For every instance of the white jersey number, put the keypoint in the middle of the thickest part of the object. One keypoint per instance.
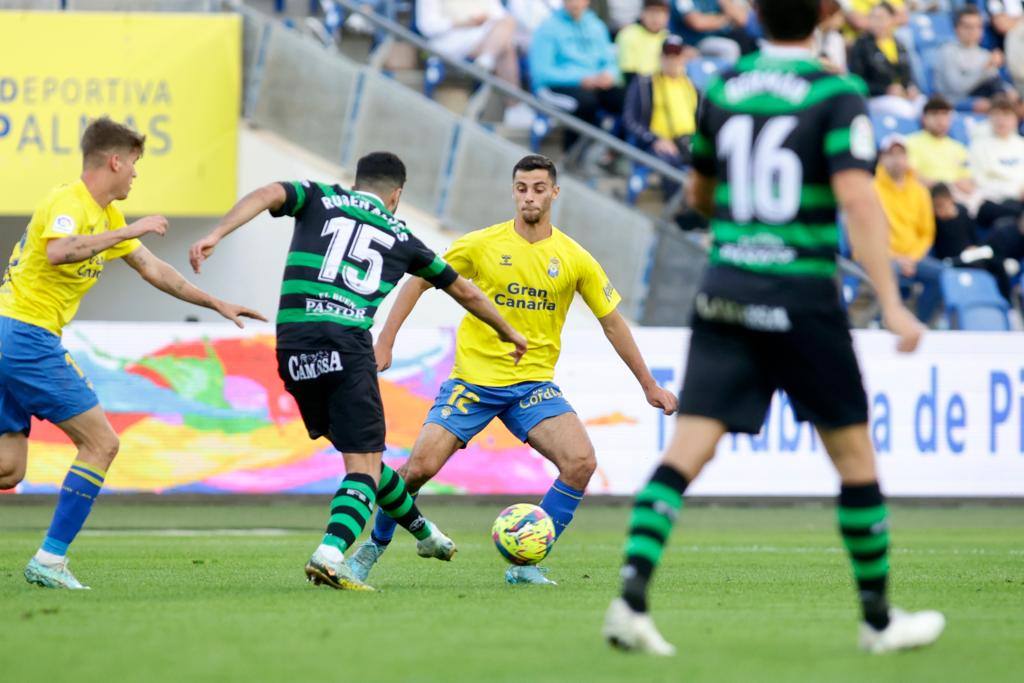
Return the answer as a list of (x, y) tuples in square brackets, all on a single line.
[(357, 251), (764, 177)]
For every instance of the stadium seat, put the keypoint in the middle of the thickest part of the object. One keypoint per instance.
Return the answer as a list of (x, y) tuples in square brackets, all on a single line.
[(931, 30), (973, 301), (886, 124), (702, 69)]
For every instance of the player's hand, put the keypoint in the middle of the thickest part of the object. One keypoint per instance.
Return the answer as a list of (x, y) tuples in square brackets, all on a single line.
[(905, 325), (235, 313), (383, 353), (662, 399), (202, 250), (666, 147), (143, 226), (520, 343)]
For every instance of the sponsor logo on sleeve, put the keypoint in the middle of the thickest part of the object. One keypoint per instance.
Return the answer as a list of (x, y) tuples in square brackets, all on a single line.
[(63, 224)]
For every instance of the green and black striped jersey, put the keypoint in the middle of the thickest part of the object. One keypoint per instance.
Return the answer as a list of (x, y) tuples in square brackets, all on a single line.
[(772, 132), (347, 253)]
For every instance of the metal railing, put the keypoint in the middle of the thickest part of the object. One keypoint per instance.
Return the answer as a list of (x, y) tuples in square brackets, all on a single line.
[(397, 31)]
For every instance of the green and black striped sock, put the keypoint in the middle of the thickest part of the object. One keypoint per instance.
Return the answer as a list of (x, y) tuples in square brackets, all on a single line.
[(350, 510), (864, 524), (654, 513), (394, 499)]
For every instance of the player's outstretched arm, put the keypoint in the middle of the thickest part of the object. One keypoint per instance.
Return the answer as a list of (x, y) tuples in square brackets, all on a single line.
[(164, 277), (78, 248), (270, 196), (621, 338), (869, 237), (408, 295), (476, 302)]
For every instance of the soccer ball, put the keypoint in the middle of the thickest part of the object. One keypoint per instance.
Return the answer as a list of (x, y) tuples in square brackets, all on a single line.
[(523, 533)]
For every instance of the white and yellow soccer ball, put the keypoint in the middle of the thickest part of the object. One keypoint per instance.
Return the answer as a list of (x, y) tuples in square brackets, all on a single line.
[(523, 533)]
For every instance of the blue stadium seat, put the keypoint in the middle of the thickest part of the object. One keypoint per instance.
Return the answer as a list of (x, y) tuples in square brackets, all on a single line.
[(973, 301), (886, 124), (702, 69), (931, 30)]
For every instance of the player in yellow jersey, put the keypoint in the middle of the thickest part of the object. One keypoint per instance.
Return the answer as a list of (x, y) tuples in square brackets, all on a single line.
[(531, 271), (70, 237)]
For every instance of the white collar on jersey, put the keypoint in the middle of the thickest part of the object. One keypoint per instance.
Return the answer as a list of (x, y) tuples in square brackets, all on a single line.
[(785, 51), (370, 194)]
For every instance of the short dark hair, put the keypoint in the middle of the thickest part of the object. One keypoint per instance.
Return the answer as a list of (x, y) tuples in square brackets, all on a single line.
[(382, 170), (536, 162), (941, 190), (966, 10), (789, 19), (1002, 102), (103, 136), (937, 103), (887, 7)]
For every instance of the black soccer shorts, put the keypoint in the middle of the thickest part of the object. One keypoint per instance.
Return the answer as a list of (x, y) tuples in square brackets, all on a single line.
[(733, 371), (338, 396)]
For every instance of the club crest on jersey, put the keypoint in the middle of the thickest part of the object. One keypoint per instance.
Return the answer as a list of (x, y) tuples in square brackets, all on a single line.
[(506, 259), (554, 267), (446, 412)]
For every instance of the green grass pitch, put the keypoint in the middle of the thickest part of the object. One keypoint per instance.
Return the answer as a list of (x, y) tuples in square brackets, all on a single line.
[(747, 594)]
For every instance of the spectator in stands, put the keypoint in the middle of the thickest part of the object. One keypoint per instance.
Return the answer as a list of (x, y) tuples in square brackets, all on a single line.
[(958, 241), (718, 28), (884, 64), (1014, 46), (639, 43), (661, 110), (572, 65), (529, 14), (622, 13), (938, 158), (908, 206), (965, 69), (1005, 16), (829, 44), (997, 161), (858, 15)]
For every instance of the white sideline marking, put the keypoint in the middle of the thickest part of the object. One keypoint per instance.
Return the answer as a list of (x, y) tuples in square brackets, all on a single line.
[(190, 533)]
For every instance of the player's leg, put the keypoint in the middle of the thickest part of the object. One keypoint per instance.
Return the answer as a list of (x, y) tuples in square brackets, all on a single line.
[(564, 441), (13, 459), (460, 412), (433, 447), (864, 525), (821, 346), (97, 445), (726, 388)]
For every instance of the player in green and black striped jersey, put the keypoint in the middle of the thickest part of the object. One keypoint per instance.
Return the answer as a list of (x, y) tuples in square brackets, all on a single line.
[(347, 253), (781, 144)]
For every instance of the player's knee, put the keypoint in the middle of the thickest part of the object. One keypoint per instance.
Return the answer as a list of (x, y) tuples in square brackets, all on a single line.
[(578, 471), (417, 474), (105, 449), (10, 476)]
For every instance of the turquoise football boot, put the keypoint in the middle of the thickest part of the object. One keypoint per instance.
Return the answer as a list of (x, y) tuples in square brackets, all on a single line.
[(530, 573), (58, 576)]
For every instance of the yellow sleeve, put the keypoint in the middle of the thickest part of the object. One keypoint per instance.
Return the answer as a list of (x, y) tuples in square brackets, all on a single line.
[(595, 287), (124, 248), (461, 256), (926, 216), (64, 217)]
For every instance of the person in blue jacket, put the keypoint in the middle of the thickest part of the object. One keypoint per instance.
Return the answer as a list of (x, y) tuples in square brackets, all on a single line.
[(572, 64)]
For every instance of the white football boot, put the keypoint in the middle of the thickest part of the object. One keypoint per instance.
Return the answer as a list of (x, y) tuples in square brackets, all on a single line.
[(633, 631), (906, 630)]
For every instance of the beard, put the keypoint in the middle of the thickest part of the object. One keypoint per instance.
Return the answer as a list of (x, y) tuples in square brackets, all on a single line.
[(532, 216)]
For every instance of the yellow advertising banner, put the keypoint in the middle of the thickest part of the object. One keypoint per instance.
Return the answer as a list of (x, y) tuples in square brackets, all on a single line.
[(174, 77)]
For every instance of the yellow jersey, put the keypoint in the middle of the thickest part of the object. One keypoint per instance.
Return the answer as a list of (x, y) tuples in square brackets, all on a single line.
[(532, 284), (38, 293)]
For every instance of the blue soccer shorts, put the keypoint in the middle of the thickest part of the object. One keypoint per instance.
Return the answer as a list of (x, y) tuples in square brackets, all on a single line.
[(38, 377), (464, 409)]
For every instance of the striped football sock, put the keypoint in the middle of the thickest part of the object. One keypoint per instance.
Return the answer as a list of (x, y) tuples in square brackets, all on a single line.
[(394, 500), (350, 510), (864, 524), (80, 488), (654, 513)]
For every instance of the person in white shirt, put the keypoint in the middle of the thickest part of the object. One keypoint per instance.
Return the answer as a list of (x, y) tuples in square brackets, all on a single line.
[(529, 14), (997, 161), (1005, 15), (478, 30)]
